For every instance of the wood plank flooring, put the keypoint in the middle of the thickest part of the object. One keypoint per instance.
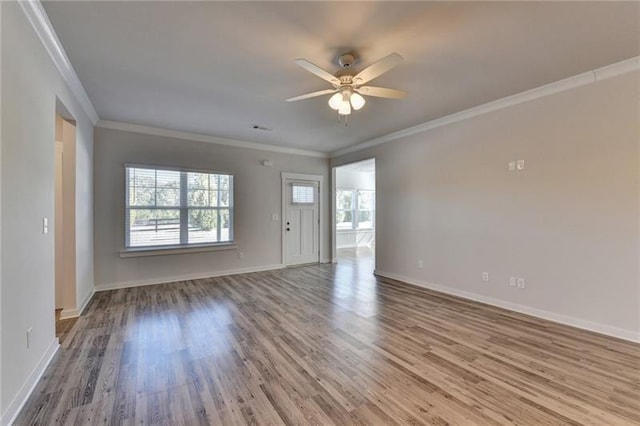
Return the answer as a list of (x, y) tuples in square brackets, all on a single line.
[(63, 326), (327, 344)]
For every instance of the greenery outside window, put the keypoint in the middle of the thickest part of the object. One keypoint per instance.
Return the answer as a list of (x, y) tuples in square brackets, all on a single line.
[(177, 208), (355, 209), (366, 204)]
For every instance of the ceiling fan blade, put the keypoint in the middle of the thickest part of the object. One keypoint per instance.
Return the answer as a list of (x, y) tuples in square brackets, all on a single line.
[(317, 71), (377, 68), (312, 95), (381, 92)]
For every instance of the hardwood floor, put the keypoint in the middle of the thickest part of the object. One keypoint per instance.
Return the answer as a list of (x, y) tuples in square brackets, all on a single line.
[(360, 257), (63, 326), (327, 344)]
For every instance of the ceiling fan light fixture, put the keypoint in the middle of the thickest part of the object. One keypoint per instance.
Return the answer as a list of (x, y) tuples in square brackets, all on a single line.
[(345, 108), (357, 101), (335, 101), (345, 96)]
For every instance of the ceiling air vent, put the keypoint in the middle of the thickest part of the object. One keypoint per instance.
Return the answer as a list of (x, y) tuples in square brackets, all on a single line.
[(259, 127)]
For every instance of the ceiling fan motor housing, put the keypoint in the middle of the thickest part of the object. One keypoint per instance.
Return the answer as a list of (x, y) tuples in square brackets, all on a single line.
[(346, 60), (346, 80)]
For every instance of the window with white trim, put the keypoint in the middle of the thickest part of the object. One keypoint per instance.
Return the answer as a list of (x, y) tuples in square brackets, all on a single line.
[(365, 204), (177, 208), (355, 209), (303, 193)]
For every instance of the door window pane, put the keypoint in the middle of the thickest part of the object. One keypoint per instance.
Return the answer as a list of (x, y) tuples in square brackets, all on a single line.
[(302, 194)]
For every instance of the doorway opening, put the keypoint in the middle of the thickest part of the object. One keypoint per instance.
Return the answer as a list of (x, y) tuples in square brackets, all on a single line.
[(64, 221), (355, 214)]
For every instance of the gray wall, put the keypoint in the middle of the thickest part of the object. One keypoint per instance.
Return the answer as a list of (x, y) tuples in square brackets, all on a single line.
[(351, 179), (568, 223), (257, 197), (30, 86)]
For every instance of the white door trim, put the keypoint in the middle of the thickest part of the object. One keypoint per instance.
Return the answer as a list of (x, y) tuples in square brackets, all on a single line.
[(301, 176), (334, 232)]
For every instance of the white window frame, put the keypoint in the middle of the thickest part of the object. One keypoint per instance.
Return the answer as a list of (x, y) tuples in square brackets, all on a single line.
[(355, 210), (183, 209)]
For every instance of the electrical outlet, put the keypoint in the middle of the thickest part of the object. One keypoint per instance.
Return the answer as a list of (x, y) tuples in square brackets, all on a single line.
[(512, 281), (29, 330), (512, 166), (485, 277), (240, 255), (275, 216), (521, 282), (420, 264), (520, 165)]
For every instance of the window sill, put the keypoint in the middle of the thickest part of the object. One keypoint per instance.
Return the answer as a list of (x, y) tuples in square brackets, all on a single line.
[(162, 251)]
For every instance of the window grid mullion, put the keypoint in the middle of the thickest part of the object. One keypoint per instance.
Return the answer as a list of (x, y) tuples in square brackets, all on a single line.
[(184, 210), (218, 225)]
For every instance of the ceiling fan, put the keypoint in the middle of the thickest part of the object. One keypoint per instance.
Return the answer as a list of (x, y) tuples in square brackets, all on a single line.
[(348, 89)]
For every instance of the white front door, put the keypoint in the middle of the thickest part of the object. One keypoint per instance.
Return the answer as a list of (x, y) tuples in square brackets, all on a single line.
[(301, 222)]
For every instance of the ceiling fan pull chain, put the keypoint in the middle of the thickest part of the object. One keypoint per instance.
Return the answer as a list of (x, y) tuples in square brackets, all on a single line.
[(344, 118)]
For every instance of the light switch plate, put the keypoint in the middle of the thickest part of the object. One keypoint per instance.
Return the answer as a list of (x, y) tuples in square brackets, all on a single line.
[(512, 166)]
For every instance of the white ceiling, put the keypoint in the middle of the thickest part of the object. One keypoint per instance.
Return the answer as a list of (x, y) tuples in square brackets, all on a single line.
[(217, 68)]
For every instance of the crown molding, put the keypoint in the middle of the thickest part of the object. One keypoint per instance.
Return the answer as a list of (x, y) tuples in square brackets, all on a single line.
[(198, 137), (589, 77), (40, 22)]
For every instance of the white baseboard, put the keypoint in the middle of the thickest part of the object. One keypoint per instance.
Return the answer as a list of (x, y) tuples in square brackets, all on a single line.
[(621, 333), (69, 313), (202, 275), (73, 313), (10, 414), (355, 246), (346, 246)]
